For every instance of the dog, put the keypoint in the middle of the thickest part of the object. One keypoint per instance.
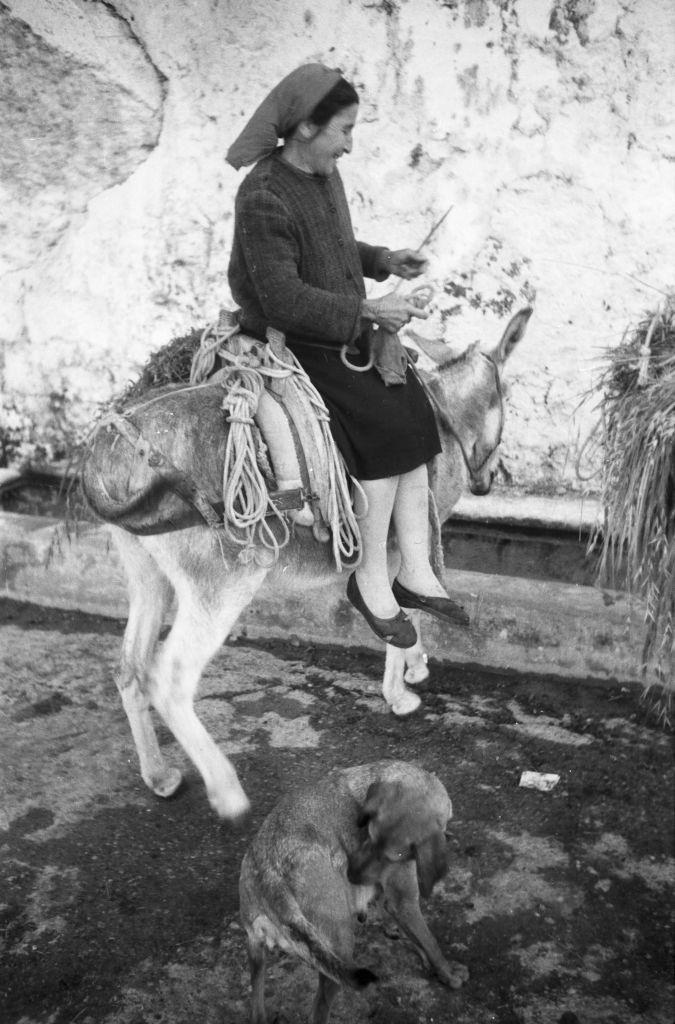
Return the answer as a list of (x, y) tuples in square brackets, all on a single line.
[(324, 853)]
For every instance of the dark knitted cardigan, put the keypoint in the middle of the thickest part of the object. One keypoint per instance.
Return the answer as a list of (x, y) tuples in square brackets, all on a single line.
[(295, 264)]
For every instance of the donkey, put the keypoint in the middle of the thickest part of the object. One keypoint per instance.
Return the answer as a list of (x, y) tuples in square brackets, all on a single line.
[(186, 568)]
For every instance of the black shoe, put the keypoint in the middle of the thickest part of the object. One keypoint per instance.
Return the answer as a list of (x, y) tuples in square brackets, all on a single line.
[(397, 631), (442, 607)]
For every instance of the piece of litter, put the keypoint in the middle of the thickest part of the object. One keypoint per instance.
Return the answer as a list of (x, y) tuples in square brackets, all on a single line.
[(539, 780)]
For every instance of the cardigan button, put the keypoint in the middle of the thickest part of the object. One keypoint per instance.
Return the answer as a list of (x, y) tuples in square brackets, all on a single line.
[(341, 242)]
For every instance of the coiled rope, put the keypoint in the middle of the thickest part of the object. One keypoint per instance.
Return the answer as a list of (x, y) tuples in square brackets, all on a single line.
[(246, 500), (342, 519)]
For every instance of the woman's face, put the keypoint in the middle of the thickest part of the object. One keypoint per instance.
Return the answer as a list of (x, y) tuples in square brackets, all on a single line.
[(331, 142)]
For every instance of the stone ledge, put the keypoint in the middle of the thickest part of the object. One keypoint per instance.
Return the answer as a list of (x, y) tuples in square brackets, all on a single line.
[(573, 513), (522, 624)]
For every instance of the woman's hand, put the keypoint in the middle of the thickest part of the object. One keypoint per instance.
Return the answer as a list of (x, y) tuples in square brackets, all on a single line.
[(406, 264), (391, 311)]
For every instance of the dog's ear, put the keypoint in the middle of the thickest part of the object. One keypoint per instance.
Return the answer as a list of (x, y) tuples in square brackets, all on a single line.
[(380, 795), (362, 818), (432, 861), (369, 806)]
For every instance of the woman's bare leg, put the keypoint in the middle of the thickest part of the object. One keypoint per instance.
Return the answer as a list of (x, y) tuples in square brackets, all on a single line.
[(411, 521), (372, 575)]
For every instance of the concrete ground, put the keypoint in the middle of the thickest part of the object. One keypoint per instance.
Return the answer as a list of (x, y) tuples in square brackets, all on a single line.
[(118, 908)]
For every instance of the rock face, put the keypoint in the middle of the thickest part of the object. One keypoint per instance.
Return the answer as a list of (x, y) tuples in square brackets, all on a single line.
[(545, 126)]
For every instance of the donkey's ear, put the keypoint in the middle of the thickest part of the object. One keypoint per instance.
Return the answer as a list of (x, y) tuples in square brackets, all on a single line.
[(436, 350), (515, 329)]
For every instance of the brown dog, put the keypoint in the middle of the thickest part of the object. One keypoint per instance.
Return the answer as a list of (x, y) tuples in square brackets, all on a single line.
[(324, 853)]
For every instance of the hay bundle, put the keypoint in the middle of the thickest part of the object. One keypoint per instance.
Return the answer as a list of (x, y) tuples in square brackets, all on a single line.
[(638, 487), (169, 364)]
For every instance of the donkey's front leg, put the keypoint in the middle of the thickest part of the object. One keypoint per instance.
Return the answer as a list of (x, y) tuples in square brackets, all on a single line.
[(416, 669), (401, 667)]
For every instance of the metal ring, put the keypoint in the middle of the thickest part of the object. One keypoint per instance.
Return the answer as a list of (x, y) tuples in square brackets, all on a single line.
[(352, 366)]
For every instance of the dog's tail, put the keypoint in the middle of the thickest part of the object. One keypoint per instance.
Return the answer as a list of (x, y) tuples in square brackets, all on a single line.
[(324, 959)]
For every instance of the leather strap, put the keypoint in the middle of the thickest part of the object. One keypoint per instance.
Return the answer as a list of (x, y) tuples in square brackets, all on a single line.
[(183, 485), (178, 481), (297, 444)]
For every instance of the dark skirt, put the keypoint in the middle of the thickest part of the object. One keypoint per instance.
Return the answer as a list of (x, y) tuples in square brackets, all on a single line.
[(380, 431)]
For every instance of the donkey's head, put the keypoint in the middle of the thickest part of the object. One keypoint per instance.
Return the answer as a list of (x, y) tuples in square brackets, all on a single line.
[(468, 399)]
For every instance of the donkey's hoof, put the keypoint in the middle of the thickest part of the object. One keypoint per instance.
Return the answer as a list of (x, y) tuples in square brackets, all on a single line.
[(240, 821), (235, 807), (405, 703), (167, 784), (417, 673)]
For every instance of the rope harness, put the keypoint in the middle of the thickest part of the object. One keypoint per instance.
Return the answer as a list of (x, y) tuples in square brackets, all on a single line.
[(255, 515), (249, 367)]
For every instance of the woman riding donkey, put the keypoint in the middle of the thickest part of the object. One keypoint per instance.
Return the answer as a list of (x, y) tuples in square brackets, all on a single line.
[(296, 266)]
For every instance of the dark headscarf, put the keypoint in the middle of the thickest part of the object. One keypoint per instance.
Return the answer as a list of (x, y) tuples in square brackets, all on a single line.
[(290, 102)]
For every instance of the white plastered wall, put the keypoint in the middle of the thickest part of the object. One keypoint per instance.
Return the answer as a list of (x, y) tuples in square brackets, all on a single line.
[(546, 126)]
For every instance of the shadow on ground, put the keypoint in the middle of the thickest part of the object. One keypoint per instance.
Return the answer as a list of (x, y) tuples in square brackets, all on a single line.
[(116, 907)]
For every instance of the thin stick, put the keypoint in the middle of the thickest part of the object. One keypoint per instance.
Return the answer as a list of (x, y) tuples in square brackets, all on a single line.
[(433, 230), (426, 241)]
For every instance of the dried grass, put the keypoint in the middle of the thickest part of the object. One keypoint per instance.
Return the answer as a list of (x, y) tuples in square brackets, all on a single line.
[(168, 365), (638, 486)]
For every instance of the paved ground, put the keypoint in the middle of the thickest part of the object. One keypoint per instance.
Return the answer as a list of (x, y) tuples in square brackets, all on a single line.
[(116, 908)]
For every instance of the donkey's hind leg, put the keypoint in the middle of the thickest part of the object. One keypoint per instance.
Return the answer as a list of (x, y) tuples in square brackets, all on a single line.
[(150, 595), (209, 601)]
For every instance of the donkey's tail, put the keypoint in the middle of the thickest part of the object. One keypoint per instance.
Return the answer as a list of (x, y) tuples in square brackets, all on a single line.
[(325, 960)]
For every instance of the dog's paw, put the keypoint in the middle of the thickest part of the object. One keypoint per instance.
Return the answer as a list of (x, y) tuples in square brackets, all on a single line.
[(453, 974)]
